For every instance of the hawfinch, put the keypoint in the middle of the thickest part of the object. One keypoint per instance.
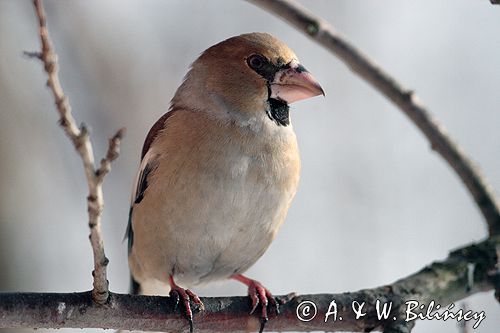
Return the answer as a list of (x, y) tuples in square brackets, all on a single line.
[(219, 171)]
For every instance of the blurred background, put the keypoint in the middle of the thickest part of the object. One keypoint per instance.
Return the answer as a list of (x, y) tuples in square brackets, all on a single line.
[(375, 203)]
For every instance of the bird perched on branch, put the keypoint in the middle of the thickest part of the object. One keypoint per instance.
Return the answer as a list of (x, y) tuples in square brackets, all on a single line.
[(219, 171)]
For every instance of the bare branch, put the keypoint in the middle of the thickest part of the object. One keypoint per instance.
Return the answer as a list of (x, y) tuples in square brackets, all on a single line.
[(80, 139), (326, 35), (443, 282), (400, 327), (111, 155), (49, 59)]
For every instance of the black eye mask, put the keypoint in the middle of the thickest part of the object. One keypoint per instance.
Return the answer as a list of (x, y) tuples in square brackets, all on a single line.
[(278, 110)]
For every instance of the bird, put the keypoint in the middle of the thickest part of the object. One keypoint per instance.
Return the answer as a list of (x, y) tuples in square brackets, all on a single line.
[(218, 172)]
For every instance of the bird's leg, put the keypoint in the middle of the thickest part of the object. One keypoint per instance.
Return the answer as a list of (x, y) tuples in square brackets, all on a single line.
[(180, 294), (259, 295)]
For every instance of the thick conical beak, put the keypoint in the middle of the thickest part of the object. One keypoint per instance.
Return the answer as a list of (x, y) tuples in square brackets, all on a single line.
[(294, 83)]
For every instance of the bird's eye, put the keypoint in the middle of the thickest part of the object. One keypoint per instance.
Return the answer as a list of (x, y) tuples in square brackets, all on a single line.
[(256, 61)]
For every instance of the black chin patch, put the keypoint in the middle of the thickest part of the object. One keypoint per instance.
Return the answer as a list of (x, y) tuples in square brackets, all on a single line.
[(279, 112)]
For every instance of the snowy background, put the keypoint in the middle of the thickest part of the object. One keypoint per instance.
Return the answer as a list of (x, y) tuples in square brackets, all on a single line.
[(374, 204)]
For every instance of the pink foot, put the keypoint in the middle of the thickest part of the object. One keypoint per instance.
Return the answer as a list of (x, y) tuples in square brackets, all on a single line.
[(259, 295), (186, 296)]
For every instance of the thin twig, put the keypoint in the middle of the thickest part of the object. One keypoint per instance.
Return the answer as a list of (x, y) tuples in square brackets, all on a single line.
[(323, 33), (111, 155), (80, 139), (443, 282), (400, 327)]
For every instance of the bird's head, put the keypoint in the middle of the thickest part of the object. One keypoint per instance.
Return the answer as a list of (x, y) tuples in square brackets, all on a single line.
[(248, 76)]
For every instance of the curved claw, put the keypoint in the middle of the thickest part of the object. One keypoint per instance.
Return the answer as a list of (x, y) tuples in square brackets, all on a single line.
[(196, 300), (262, 324), (191, 325), (186, 296), (176, 297), (259, 295), (273, 304), (179, 294)]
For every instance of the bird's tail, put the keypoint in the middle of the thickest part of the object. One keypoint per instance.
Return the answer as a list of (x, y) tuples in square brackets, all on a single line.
[(152, 288), (135, 287)]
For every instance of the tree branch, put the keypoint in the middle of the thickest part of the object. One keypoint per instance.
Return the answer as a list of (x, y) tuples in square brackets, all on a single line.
[(327, 36), (80, 139), (443, 282)]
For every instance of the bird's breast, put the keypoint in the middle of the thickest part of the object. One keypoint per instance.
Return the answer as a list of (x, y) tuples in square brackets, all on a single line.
[(215, 200)]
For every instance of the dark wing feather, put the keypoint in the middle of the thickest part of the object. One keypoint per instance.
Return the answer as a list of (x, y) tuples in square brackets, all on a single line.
[(142, 183)]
